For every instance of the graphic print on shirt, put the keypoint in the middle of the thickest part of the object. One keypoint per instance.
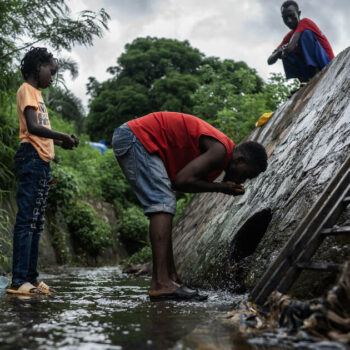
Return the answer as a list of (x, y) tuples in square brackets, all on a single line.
[(43, 117)]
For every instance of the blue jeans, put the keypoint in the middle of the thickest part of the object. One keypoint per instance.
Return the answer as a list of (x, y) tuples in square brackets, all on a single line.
[(310, 54), (145, 173), (33, 186)]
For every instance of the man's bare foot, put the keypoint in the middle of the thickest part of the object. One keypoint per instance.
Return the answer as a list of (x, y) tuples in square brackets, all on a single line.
[(163, 288)]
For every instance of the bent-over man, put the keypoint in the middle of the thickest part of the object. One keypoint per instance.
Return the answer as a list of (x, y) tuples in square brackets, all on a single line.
[(164, 152)]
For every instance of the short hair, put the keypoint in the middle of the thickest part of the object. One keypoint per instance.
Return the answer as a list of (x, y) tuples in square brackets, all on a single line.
[(289, 3), (33, 59), (255, 154)]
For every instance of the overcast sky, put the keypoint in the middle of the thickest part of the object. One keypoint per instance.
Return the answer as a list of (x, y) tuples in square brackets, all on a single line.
[(242, 30)]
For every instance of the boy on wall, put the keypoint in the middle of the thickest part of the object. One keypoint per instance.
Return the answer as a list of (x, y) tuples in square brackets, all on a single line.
[(305, 50)]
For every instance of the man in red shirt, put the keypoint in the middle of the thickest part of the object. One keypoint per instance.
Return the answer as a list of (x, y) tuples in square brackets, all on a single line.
[(164, 152), (305, 50)]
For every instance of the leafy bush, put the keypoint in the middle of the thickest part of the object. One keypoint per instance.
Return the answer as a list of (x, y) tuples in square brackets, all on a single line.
[(133, 228), (65, 189), (8, 144), (182, 204), (59, 243), (141, 257), (5, 241), (89, 232), (112, 181)]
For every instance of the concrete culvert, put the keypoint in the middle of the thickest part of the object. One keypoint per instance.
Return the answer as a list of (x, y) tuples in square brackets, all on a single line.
[(249, 236)]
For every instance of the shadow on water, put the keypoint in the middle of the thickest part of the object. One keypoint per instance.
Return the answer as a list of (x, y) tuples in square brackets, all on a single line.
[(105, 309)]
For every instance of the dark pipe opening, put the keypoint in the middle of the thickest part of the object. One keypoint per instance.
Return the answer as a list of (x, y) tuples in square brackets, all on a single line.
[(249, 236)]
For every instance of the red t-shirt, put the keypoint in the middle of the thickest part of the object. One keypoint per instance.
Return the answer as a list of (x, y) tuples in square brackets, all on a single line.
[(304, 24), (175, 137)]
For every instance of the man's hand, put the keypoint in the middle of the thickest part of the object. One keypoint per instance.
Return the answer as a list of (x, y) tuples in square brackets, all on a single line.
[(229, 187), (68, 142)]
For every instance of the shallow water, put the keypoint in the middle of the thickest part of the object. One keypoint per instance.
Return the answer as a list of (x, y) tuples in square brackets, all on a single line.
[(104, 309)]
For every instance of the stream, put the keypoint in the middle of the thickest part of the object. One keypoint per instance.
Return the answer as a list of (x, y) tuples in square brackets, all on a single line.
[(102, 308)]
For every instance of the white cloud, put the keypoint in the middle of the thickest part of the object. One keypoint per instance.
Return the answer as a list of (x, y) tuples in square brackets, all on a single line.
[(246, 30)]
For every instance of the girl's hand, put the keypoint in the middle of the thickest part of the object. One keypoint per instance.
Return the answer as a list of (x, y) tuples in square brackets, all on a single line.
[(67, 142)]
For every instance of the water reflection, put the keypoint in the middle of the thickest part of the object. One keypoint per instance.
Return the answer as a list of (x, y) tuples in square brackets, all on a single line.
[(100, 309), (104, 309)]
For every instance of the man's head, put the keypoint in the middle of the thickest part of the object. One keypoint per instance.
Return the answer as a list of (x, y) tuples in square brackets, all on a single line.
[(290, 14), (248, 160)]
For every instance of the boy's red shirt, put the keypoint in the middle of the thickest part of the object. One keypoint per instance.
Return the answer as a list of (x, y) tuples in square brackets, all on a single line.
[(304, 24), (175, 137)]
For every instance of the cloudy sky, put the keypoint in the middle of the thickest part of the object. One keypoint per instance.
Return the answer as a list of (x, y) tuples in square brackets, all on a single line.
[(246, 30)]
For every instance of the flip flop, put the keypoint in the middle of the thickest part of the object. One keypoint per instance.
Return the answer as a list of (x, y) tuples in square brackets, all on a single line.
[(44, 288), (25, 289), (183, 293)]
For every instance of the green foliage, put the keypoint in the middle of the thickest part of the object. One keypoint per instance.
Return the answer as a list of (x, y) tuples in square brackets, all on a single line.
[(232, 97), (112, 180), (218, 81), (141, 257), (5, 240), (162, 74), (115, 104), (59, 243), (152, 74), (133, 229), (66, 188), (8, 144), (67, 105), (277, 89), (90, 233), (48, 22), (182, 204)]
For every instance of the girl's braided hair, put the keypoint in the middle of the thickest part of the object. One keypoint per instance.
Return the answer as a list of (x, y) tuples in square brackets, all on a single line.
[(33, 59)]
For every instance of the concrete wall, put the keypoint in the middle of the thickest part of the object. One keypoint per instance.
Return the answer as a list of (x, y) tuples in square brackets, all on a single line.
[(307, 140)]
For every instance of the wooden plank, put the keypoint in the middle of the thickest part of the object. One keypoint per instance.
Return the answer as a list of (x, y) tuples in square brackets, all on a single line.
[(309, 248), (336, 230), (296, 243), (279, 266), (327, 267)]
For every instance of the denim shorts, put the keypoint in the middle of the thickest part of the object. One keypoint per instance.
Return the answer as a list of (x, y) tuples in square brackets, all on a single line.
[(145, 172)]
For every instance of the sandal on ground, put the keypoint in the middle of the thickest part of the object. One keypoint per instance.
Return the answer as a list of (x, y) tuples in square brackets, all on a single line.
[(183, 293), (44, 288), (25, 289)]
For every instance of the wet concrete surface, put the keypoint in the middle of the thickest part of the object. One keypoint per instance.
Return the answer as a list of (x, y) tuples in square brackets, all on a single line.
[(102, 308)]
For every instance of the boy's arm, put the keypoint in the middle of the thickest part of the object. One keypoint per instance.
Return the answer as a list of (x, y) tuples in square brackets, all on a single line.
[(290, 47), (38, 130), (275, 56), (192, 177)]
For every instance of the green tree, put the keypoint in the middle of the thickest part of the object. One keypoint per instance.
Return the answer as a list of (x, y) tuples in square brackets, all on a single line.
[(67, 105), (24, 23), (152, 74), (232, 96), (219, 80)]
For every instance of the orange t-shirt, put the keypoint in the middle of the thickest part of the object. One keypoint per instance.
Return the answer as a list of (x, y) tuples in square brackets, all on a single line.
[(27, 95)]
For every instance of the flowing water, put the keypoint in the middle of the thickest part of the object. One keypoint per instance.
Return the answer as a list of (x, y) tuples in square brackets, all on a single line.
[(102, 308)]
